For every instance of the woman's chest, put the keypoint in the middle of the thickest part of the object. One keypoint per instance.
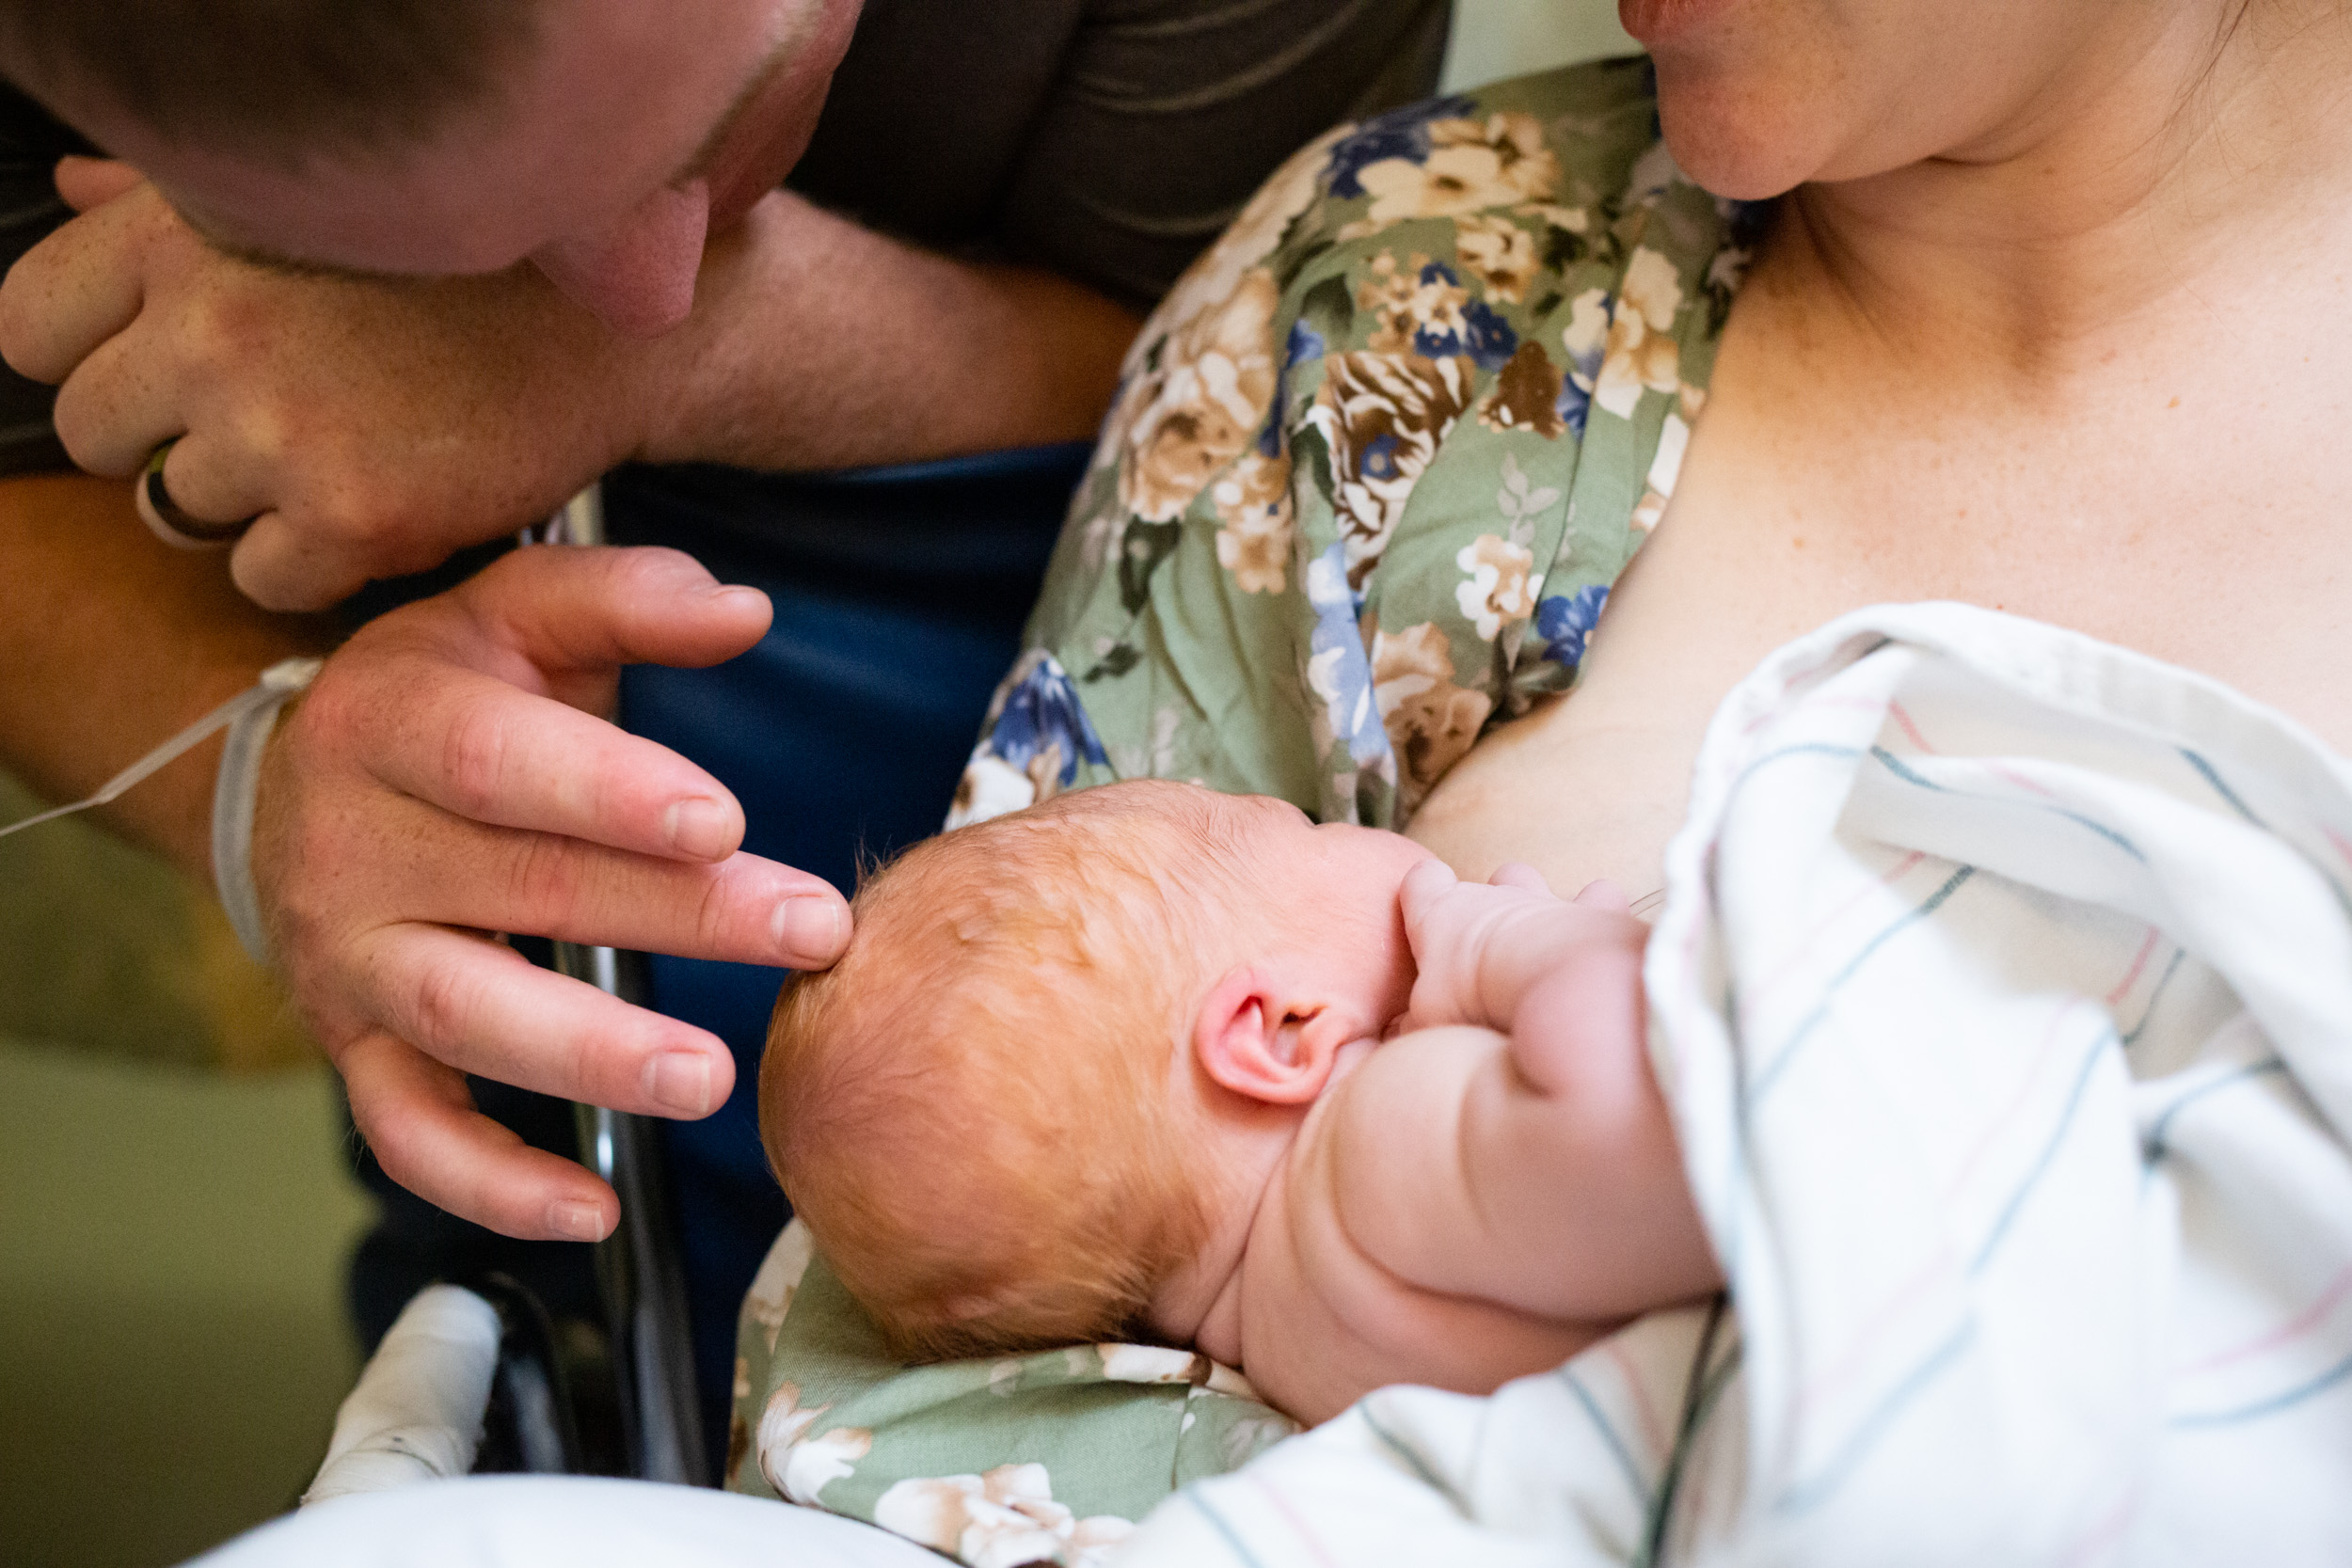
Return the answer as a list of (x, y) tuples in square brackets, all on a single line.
[(2207, 528)]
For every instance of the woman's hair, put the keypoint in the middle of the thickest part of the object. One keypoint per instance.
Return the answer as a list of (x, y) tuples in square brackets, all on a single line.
[(972, 1110), (276, 78)]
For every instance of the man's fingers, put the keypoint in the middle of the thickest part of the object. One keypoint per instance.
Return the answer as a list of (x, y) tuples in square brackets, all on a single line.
[(483, 750), (117, 409), (72, 293), (437, 869), (291, 570), (744, 910), (482, 1009), (595, 608), (417, 1118), (216, 481), (87, 183)]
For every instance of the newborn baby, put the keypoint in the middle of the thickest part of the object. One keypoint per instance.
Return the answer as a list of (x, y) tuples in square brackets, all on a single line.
[(1148, 1061)]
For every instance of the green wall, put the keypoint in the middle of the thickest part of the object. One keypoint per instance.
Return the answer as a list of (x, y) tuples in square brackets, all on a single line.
[(174, 1216), (173, 1341)]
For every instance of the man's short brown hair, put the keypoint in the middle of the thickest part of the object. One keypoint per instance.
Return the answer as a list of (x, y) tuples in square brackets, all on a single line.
[(270, 77)]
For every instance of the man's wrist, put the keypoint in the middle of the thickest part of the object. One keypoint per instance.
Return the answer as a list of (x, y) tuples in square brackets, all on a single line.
[(112, 643)]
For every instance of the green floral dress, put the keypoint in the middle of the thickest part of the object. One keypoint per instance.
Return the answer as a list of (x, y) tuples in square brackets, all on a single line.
[(1377, 459), (1374, 467)]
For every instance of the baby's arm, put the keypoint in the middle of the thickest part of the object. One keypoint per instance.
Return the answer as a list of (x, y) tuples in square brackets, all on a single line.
[(1537, 1169)]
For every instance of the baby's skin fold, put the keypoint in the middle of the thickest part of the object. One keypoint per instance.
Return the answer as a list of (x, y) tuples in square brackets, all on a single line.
[(1151, 1060)]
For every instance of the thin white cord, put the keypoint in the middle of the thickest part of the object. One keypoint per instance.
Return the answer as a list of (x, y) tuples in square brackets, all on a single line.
[(162, 757)]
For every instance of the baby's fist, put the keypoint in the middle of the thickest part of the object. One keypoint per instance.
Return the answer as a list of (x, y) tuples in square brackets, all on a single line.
[(1479, 946)]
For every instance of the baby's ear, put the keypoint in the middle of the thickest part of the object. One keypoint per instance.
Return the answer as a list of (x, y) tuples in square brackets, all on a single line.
[(1257, 1038)]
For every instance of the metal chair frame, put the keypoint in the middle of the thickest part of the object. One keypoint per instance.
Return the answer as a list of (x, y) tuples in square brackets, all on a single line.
[(641, 1279)]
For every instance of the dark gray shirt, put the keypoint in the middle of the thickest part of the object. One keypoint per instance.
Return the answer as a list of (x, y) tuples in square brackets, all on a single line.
[(1109, 140)]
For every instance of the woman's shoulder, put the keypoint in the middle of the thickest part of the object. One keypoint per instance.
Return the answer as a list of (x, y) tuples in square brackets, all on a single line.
[(1377, 459)]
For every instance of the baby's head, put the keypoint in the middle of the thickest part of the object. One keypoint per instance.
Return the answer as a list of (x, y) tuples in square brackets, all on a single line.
[(1008, 1114)]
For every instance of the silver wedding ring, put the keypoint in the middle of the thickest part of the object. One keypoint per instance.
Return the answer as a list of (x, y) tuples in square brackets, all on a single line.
[(164, 517)]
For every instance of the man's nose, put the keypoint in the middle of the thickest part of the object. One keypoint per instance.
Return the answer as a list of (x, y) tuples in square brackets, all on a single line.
[(638, 273)]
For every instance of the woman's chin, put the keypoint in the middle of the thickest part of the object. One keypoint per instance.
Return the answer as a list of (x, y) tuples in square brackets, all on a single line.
[(1733, 162), (1741, 140)]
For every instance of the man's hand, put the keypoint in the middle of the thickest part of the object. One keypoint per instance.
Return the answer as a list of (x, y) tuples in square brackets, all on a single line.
[(368, 426), (1479, 947), (449, 776), (373, 426)]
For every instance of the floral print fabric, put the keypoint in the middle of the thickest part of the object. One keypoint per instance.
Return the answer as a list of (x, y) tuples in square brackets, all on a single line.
[(1376, 460), (1046, 1459)]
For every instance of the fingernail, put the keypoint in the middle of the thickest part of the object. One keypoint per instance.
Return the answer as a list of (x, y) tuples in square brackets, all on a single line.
[(582, 1222), (680, 1081), (699, 826), (811, 929)]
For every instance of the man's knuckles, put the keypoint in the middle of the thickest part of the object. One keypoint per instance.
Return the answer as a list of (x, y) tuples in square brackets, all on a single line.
[(543, 880), (28, 338), (438, 1006), (475, 751), (721, 921)]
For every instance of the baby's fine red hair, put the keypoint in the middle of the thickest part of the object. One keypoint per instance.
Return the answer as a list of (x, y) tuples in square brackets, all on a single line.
[(972, 1111)]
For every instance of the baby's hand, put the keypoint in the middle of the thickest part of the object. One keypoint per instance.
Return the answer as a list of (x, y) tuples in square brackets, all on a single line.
[(1543, 1176), (1480, 947)]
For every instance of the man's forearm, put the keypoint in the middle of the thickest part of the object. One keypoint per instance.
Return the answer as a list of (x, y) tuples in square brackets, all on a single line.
[(819, 345), (109, 643)]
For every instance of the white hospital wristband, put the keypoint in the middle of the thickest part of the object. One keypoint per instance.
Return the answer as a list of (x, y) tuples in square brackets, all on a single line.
[(252, 717)]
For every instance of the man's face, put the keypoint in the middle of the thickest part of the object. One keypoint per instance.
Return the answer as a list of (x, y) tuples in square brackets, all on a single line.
[(629, 133)]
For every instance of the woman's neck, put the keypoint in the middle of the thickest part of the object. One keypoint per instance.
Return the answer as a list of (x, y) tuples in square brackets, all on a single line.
[(2125, 179)]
